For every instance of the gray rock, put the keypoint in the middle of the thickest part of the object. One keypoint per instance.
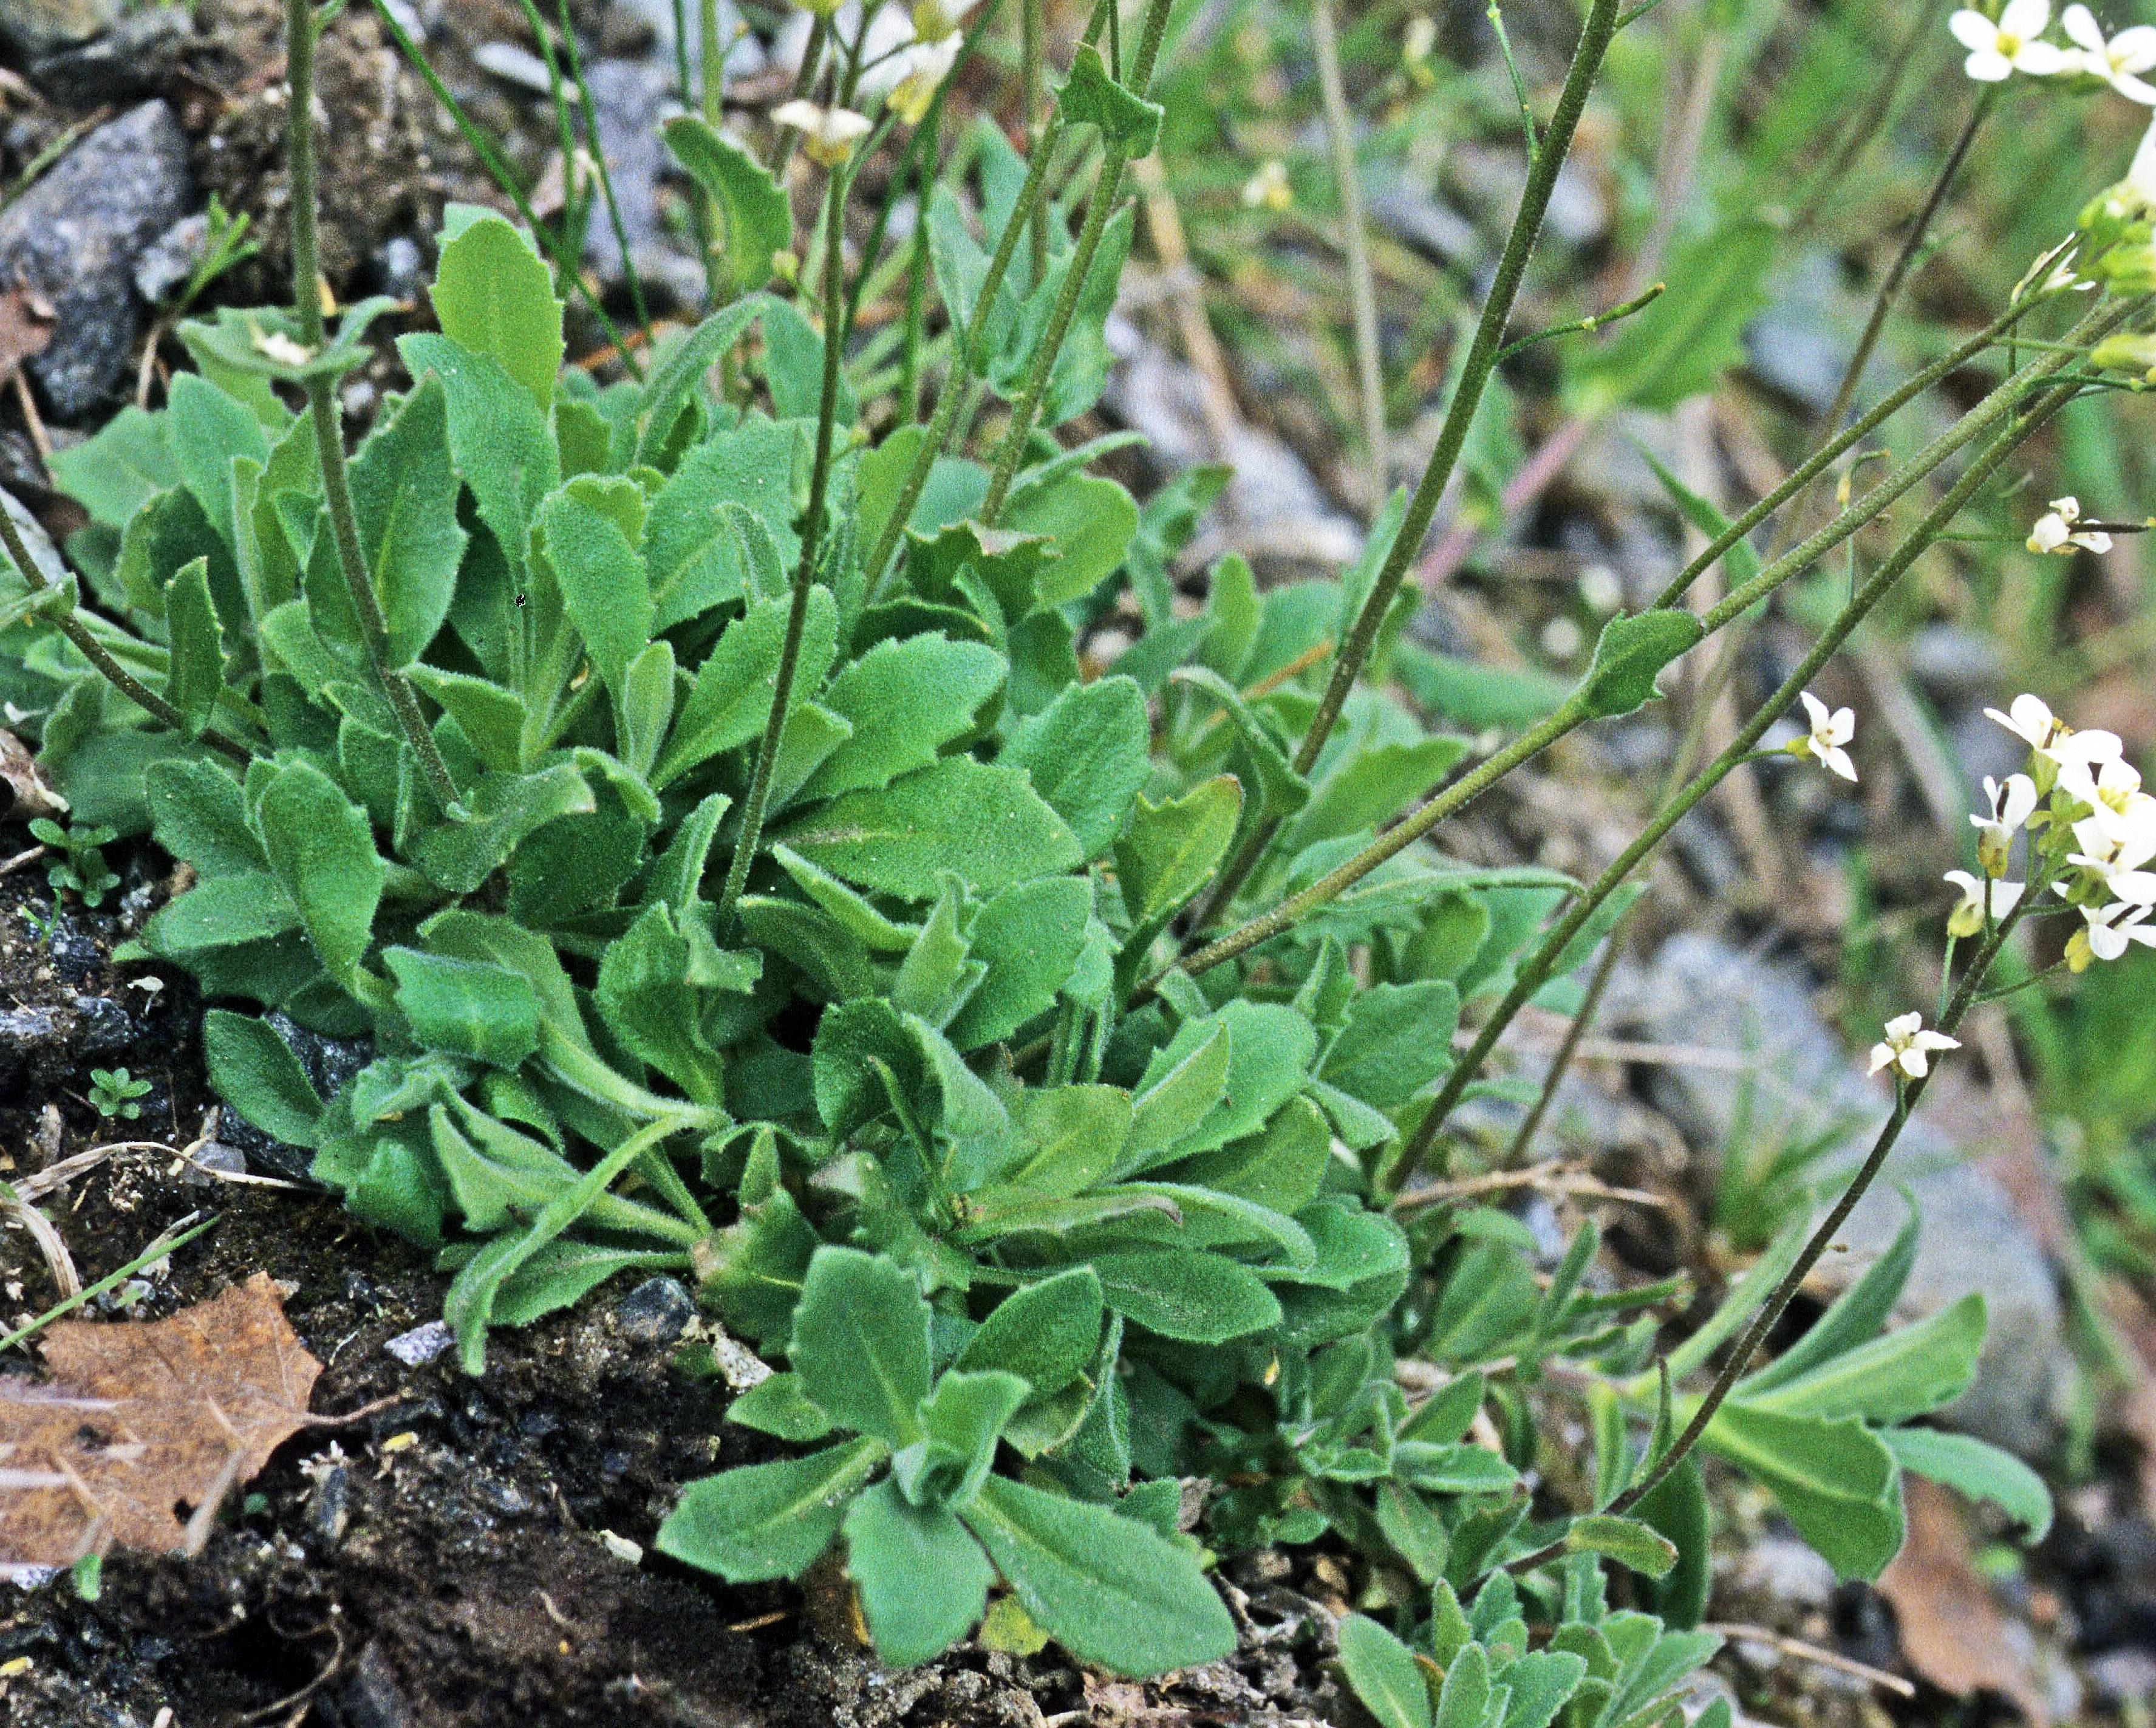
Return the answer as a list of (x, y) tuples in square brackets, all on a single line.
[(1702, 991), (400, 268), (372, 1699), (422, 1344), (745, 56), (102, 1026), (131, 62), (170, 259), (74, 237), (1954, 664), (42, 26), (514, 65), (329, 1506), (1414, 218), (657, 1311)]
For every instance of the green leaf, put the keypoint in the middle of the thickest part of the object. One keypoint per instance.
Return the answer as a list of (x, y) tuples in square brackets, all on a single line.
[(777, 1405), (1678, 1509), (644, 995), (321, 850), (905, 701), (1465, 1697), (923, 1581), (984, 825), (964, 1418), (1395, 1040), (1086, 754), (1836, 1480), (1282, 791), (1029, 938), (1909, 1372), (404, 497), (1077, 1133), (1182, 1294), (1855, 1317), (468, 1008), (1982, 1472), (1089, 519), (1104, 1587), (1384, 1673), (502, 811), (1170, 851), (758, 222), (731, 701), (197, 662), (1044, 1333), (767, 1520), (1626, 1541), (201, 817), (860, 1344), (1269, 1051), (1541, 1683), (603, 587), (499, 443), (1629, 654), (680, 372), (1090, 95), (1743, 562), (493, 296), (1183, 1083), (254, 1069)]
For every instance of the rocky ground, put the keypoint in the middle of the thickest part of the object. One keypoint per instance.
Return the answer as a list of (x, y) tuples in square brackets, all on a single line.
[(468, 1552)]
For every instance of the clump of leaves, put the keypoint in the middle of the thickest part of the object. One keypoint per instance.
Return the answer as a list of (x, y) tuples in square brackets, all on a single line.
[(80, 868), (114, 1092)]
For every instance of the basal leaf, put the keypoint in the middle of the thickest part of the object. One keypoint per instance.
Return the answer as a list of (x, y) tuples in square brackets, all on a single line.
[(1181, 1294), (905, 701), (1386, 1676), (767, 1520), (1169, 851), (494, 295), (321, 850), (466, 1007), (255, 1070), (860, 1344), (404, 497), (1086, 755), (923, 1581)]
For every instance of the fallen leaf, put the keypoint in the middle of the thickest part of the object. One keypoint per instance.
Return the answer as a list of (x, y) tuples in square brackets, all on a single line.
[(1952, 1629), (26, 326), (20, 774), (139, 1429)]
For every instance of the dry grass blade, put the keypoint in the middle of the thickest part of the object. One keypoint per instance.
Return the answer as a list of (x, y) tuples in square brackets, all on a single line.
[(139, 1431)]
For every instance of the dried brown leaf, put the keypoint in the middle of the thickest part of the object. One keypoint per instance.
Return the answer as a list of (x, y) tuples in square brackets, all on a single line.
[(26, 326), (1952, 1629), (139, 1430), (19, 773)]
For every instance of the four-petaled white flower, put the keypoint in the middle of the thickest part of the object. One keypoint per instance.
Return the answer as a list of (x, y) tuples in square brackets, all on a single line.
[(1907, 1047), (2113, 848), (828, 135), (2116, 62), (2111, 785), (2055, 531), (2011, 805), (1829, 733), (2051, 738), (924, 66), (2012, 45), (1268, 188), (2108, 931), (1969, 915)]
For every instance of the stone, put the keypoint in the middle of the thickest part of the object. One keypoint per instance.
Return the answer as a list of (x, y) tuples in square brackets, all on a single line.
[(102, 1026), (329, 1506), (657, 1311), (373, 1698), (170, 259), (422, 1344), (130, 62), (74, 237), (1702, 991), (38, 27)]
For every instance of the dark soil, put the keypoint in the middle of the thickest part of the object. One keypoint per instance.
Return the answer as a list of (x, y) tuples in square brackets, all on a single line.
[(442, 1557)]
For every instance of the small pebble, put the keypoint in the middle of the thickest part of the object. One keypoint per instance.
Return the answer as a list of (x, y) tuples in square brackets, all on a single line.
[(422, 1344), (329, 1506), (622, 1548), (657, 1311), (516, 65)]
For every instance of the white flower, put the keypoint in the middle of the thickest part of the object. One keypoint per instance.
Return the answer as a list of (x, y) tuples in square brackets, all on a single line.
[(2051, 738), (2010, 45), (1269, 188), (828, 135), (2114, 847), (2113, 785), (2011, 806), (2141, 176), (2107, 933), (2056, 532), (924, 66), (1907, 1047), (1828, 733), (1969, 915), (2117, 61)]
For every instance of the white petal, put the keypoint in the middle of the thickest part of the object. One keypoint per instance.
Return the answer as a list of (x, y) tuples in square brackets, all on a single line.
[(1987, 65), (2080, 23), (2021, 799), (2138, 887), (1969, 885), (2040, 60), (2104, 943), (2141, 178), (1837, 758), (1815, 709), (2005, 895), (1882, 1055), (2024, 18), (2134, 49), (1973, 29), (1903, 1026), (1840, 729), (1935, 1040), (1915, 1063)]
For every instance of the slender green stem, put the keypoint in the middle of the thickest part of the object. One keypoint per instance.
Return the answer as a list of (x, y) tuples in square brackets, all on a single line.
[(1817, 462), (498, 171), (805, 575), (1100, 207), (99, 655), (1032, 104), (1537, 971), (1519, 84), (162, 1246), (1394, 842), (1906, 1092), (1890, 287), (1474, 375), (1362, 292), (565, 126), (1589, 324), (322, 405), (916, 269), (597, 148)]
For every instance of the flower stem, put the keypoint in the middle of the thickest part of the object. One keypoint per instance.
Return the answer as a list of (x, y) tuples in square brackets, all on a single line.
[(804, 574), (1361, 293), (1100, 206), (322, 405)]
